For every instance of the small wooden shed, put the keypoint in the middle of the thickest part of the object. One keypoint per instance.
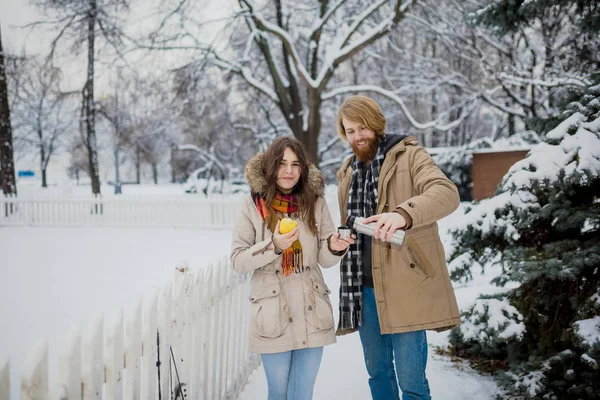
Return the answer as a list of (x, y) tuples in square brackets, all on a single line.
[(489, 167)]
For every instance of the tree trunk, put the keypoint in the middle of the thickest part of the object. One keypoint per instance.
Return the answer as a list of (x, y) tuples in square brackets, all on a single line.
[(434, 109), (7, 164), (42, 157), (172, 163), (512, 129), (44, 182), (117, 162), (310, 137), (90, 107), (155, 173), (138, 166)]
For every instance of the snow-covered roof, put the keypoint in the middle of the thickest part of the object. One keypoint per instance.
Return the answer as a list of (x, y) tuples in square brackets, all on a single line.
[(502, 150)]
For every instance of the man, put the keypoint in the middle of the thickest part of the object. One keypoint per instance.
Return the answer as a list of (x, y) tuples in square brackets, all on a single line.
[(391, 294)]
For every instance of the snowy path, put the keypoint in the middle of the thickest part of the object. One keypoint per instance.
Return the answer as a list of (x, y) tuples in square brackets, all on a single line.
[(52, 278)]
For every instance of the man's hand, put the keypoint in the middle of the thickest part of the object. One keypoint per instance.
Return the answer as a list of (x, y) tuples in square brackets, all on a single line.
[(337, 244), (386, 225), (284, 241)]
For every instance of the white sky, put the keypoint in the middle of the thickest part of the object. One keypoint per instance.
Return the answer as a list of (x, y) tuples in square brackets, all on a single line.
[(13, 15)]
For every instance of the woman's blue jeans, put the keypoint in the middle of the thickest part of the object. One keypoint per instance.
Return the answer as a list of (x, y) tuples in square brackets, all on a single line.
[(408, 350), (291, 375)]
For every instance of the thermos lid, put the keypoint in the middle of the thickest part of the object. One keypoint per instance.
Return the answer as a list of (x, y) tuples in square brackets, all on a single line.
[(350, 220)]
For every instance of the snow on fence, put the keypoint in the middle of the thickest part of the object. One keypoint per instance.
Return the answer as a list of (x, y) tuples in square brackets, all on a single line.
[(120, 211), (189, 341)]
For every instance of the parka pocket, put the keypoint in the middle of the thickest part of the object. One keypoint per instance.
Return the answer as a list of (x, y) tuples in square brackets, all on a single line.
[(419, 258), (319, 312), (407, 263), (269, 314)]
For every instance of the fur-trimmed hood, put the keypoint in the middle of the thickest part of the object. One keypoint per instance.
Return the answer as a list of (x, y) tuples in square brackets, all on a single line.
[(258, 182)]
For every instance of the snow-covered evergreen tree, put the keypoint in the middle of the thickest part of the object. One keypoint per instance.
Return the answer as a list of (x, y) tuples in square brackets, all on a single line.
[(543, 231)]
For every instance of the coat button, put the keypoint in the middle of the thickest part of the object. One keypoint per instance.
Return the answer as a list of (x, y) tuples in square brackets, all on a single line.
[(251, 298), (274, 291), (309, 308), (411, 204), (412, 265), (316, 286), (304, 342), (291, 320)]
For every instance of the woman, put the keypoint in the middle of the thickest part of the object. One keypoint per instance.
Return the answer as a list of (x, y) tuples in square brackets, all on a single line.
[(291, 318)]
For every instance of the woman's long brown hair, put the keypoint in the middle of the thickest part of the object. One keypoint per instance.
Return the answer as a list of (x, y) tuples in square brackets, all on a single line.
[(271, 164)]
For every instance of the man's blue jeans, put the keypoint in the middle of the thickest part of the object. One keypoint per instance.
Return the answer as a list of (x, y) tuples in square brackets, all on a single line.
[(408, 350), (291, 375)]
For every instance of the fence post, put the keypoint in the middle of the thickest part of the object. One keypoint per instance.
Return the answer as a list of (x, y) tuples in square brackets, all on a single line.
[(185, 355), (148, 389), (5, 380), (196, 336), (113, 357), (208, 300), (69, 374), (179, 316), (93, 362), (164, 328), (133, 355), (34, 378)]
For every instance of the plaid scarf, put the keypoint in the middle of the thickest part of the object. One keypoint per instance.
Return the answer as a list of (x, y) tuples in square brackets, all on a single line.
[(286, 204), (362, 202)]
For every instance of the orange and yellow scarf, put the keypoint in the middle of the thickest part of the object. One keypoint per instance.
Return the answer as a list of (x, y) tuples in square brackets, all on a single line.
[(283, 203)]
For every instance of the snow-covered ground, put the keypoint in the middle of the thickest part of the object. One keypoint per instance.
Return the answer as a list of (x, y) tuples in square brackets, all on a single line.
[(52, 278)]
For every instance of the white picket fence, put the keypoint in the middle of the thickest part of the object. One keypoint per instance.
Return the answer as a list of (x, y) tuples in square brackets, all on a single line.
[(120, 211), (201, 318)]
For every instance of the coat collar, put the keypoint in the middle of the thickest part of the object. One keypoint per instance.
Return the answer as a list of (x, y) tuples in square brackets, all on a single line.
[(391, 154), (258, 181)]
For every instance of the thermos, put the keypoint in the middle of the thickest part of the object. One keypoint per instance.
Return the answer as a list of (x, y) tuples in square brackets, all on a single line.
[(357, 223)]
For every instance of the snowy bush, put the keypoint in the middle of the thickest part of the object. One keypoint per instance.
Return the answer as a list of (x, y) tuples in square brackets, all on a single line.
[(491, 326), (543, 229)]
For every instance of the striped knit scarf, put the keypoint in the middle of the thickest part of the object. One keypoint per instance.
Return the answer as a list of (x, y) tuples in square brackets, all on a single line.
[(286, 204), (362, 202)]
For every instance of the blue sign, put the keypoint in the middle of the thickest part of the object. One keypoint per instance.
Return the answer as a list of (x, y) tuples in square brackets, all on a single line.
[(25, 172)]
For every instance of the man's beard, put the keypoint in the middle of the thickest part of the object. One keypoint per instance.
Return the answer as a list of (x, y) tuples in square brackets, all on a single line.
[(366, 153)]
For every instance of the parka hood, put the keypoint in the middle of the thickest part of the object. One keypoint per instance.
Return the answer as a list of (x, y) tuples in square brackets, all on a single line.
[(258, 182)]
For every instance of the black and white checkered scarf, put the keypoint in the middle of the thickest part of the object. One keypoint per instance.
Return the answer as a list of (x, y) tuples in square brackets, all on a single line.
[(362, 202)]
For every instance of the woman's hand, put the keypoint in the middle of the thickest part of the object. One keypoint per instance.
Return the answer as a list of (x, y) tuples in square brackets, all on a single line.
[(283, 241), (337, 244)]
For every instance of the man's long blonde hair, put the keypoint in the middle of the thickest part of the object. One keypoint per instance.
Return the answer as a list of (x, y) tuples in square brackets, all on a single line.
[(361, 109)]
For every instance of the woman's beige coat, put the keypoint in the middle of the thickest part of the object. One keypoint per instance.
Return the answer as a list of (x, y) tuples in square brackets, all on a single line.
[(286, 312)]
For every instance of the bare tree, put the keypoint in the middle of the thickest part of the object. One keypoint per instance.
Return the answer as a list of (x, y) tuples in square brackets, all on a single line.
[(83, 22), (7, 165), (42, 113), (290, 53)]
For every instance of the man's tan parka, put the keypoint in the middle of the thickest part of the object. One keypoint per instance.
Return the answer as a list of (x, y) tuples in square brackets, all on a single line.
[(286, 312), (411, 282)]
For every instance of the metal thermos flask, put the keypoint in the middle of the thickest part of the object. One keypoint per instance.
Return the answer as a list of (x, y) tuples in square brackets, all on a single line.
[(358, 225)]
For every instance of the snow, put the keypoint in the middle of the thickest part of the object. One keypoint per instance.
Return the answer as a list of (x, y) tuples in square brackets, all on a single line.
[(497, 315), (53, 278), (589, 360), (57, 280), (589, 330), (578, 152)]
